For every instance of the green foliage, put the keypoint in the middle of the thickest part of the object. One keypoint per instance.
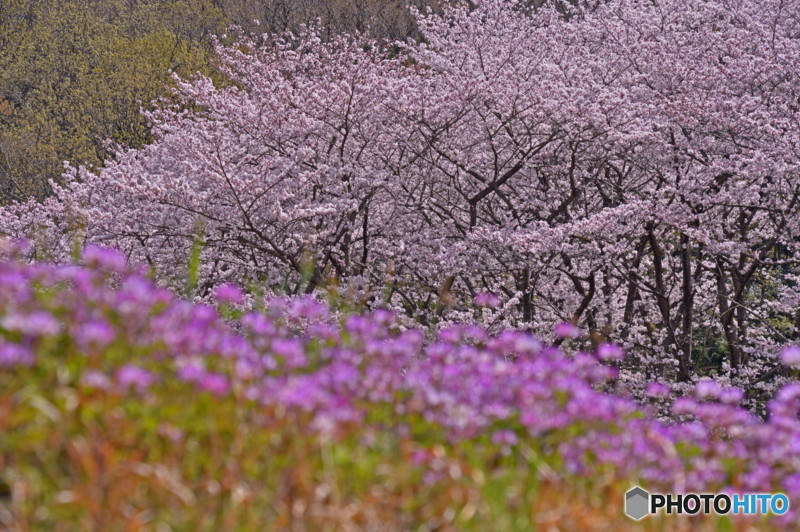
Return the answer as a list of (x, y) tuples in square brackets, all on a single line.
[(75, 74), (384, 19), (193, 266)]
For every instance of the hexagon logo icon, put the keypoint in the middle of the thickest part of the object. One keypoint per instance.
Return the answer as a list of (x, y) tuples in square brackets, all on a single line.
[(637, 502)]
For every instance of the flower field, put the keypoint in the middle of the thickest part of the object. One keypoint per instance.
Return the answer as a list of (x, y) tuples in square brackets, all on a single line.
[(124, 407), (399, 265)]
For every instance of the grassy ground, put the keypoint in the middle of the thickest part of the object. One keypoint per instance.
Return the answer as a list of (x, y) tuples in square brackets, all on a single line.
[(73, 459)]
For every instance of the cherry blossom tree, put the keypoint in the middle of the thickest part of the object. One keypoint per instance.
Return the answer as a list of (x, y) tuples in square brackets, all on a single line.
[(631, 168)]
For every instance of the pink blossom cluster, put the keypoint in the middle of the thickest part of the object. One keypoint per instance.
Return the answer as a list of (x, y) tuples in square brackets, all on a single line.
[(117, 332), (630, 168)]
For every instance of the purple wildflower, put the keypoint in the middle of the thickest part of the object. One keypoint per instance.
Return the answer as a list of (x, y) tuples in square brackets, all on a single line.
[(12, 355), (214, 383), (791, 356), (657, 389), (229, 293), (95, 334), (487, 299), (96, 379), (606, 352), (191, 372), (104, 258), (38, 323), (134, 376), (567, 330)]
